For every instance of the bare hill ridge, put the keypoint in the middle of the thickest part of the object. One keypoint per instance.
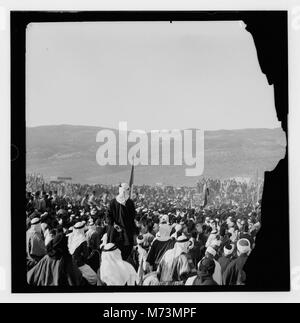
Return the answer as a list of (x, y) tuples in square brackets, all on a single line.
[(67, 150)]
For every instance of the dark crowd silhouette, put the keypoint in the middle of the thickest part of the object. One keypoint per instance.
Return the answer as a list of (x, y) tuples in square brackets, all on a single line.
[(97, 235)]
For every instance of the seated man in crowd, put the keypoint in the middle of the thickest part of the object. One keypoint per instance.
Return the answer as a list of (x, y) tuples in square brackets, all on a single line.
[(57, 267), (35, 244), (175, 265)]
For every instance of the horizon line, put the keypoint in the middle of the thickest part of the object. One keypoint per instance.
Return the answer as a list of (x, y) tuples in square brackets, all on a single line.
[(110, 128)]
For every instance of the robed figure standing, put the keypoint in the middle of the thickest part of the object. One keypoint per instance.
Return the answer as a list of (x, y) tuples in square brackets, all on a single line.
[(121, 226)]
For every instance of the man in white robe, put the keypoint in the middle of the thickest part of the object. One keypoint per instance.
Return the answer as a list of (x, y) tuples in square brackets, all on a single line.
[(114, 271), (78, 248), (174, 265)]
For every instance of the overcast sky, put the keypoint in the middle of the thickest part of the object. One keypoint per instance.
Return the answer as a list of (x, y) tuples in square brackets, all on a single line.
[(154, 75)]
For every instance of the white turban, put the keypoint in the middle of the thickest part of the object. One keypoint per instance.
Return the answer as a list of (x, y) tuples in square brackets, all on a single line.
[(228, 252), (35, 221), (140, 239), (243, 246)]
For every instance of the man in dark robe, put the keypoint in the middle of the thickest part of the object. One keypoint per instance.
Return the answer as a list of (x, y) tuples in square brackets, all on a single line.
[(200, 239), (234, 273), (57, 267), (159, 246), (205, 274), (93, 236), (227, 257), (36, 203), (121, 226)]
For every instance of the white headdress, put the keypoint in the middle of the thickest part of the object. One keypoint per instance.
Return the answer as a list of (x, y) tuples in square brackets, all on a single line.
[(114, 270), (123, 193), (243, 246), (36, 225), (181, 246), (227, 251), (77, 237)]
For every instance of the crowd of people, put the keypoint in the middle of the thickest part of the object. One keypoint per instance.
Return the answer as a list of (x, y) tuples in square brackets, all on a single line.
[(96, 235)]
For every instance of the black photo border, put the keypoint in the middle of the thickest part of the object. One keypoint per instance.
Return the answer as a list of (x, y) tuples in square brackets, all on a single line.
[(268, 267)]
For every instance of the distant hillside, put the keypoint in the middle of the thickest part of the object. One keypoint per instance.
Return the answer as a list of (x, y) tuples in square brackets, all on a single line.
[(71, 151)]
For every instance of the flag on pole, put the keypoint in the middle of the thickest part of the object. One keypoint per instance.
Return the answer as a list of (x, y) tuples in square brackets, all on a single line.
[(206, 194), (258, 192), (256, 198), (131, 179)]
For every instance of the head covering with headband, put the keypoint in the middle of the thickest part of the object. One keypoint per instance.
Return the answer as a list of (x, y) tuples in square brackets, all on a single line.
[(164, 219), (36, 225), (114, 271), (182, 246), (164, 232), (207, 266), (103, 240), (77, 237)]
